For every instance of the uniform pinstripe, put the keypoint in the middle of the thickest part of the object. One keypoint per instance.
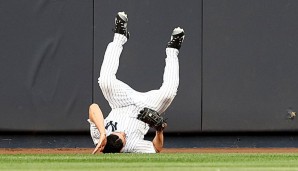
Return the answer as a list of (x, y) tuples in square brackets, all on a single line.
[(127, 102)]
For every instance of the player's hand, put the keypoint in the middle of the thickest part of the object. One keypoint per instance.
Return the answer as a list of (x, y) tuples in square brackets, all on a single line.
[(101, 144)]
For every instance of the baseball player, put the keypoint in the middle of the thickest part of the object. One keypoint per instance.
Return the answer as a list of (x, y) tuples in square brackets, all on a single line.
[(121, 131)]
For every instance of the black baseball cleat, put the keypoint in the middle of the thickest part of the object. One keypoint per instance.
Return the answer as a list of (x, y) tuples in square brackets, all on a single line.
[(176, 38), (121, 24)]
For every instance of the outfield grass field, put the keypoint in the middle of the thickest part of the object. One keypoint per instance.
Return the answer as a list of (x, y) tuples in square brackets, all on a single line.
[(150, 162)]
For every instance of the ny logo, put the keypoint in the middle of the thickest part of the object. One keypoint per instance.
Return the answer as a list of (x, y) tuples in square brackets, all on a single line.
[(111, 124)]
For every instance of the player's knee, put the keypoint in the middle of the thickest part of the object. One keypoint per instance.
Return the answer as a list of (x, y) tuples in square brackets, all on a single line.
[(169, 93)]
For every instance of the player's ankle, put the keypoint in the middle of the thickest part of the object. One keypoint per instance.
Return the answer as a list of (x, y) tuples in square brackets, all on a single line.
[(120, 38)]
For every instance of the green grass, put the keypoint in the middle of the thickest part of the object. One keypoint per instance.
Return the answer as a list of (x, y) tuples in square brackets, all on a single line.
[(150, 162)]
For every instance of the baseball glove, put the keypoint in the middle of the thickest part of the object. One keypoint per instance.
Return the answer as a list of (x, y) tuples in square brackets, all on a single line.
[(152, 118)]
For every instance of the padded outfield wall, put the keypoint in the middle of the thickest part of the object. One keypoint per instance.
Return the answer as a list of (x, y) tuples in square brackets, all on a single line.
[(237, 64)]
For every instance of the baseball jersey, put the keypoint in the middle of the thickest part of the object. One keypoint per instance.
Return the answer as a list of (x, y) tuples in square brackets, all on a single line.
[(126, 103)]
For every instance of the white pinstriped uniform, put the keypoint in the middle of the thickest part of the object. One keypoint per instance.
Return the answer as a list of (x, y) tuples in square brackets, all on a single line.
[(127, 102)]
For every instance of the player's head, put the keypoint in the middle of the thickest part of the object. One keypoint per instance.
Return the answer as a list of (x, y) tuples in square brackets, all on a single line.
[(115, 142)]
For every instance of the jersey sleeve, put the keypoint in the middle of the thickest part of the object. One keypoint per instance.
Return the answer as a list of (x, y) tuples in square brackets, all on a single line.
[(95, 135), (94, 132)]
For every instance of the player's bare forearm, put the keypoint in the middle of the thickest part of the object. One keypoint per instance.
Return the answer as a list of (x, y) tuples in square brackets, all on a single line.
[(158, 141), (96, 116)]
